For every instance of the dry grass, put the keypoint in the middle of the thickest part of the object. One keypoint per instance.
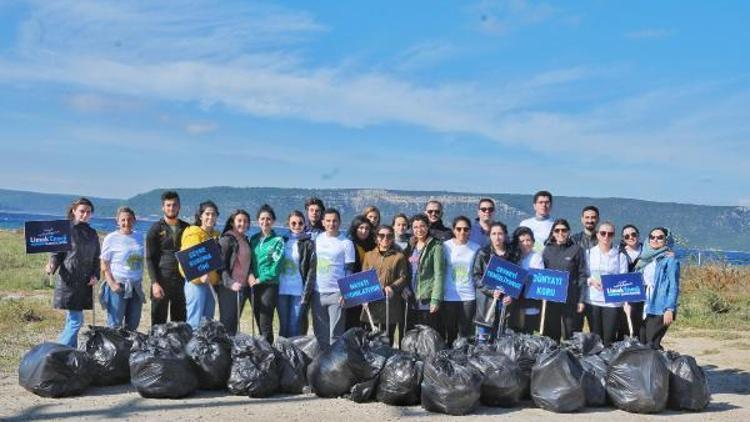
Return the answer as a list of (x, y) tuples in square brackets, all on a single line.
[(715, 297)]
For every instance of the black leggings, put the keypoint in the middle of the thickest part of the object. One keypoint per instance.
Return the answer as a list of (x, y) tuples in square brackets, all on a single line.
[(604, 321), (562, 319), (266, 297), (653, 330), (457, 319)]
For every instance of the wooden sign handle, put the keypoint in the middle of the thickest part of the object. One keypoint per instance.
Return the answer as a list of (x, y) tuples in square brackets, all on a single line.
[(541, 324), (369, 317)]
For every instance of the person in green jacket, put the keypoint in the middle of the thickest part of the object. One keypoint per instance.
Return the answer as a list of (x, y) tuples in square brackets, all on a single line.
[(268, 254), (427, 263)]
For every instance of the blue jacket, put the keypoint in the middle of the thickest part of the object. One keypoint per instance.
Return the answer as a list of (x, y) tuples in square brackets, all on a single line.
[(666, 287)]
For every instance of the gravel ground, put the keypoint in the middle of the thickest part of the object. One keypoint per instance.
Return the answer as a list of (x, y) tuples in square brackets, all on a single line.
[(726, 361)]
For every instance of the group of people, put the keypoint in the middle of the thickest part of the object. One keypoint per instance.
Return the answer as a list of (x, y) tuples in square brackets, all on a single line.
[(430, 274)]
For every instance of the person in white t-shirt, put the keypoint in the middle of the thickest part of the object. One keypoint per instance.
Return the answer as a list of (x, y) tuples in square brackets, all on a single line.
[(541, 222), (122, 264), (603, 259), (459, 295), (335, 257)]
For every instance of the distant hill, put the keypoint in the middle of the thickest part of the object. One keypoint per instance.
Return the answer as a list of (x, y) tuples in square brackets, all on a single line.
[(696, 226)]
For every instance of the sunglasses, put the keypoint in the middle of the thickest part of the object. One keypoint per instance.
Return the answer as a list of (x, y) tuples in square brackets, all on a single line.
[(296, 223), (656, 237), (628, 236), (385, 236), (433, 211), (606, 234), (487, 209), (561, 230), (461, 229)]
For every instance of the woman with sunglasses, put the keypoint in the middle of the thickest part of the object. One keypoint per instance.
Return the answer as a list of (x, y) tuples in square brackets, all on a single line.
[(484, 294), (297, 277), (631, 246), (603, 318), (393, 273), (562, 254), (661, 277), (459, 296), (361, 233)]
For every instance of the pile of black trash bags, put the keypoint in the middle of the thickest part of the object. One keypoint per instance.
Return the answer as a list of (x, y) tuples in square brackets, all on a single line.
[(172, 362)]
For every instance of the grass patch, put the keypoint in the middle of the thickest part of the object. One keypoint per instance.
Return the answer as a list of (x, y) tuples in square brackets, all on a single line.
[(19, 271), (715, 297), (711, 352), (25, 322)]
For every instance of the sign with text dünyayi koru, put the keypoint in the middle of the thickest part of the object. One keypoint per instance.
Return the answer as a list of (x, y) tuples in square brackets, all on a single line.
[(360, 288), (504, 275), (548, 285), (47, 236), (626, 287), (200, 259)]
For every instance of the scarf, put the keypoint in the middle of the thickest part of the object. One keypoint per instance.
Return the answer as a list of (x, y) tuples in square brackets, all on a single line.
[(649, 255)]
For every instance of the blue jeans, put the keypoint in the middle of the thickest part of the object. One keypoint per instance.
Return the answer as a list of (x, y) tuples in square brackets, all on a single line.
[(290, 315), (200, 303), (119, 308), (73, 322)]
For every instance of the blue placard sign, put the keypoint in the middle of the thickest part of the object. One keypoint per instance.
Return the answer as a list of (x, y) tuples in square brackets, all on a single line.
[(506, 276), (548, 285), (47, 236), (623, 288), (200, 259), (360, 288)]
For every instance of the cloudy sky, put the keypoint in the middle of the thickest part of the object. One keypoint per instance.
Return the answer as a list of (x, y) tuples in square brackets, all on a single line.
[(643, 99)]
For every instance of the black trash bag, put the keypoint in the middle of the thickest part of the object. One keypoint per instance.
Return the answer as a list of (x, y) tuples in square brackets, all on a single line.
[(610, 353), (380, 345), (524, 349), (349, 361), (308, 345), (688, 384), (109, 351), (556, 382), (160, 368), (594, 380), (461, 343), (293, 366), (584, 344), (178, 333), (638, 381), (364, 391), (210, 349), (400, 380), (54, 370), (504, 382), (137, 339), (422, 340), (450, 384), (255, 367)]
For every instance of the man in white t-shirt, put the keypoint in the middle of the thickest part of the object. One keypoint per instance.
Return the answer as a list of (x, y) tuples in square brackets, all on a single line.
[(334, 259), (541, 222)]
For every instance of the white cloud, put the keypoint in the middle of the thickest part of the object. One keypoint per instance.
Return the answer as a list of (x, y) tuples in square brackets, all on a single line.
[(179, 55), (425, 54), (649, 33), (200, 128), (92, 103)]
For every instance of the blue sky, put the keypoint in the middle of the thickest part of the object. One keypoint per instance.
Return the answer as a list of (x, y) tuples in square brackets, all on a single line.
[(643, 99)]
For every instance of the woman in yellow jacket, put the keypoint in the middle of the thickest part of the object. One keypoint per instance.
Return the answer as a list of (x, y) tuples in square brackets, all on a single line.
[(199, 299)]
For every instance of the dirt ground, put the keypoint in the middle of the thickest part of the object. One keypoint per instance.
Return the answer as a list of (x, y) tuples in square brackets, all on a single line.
[(724, 356)]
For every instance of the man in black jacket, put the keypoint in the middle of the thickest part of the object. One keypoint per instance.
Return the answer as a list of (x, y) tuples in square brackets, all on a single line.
[(589, 219), (434, 212), (162, 241)]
